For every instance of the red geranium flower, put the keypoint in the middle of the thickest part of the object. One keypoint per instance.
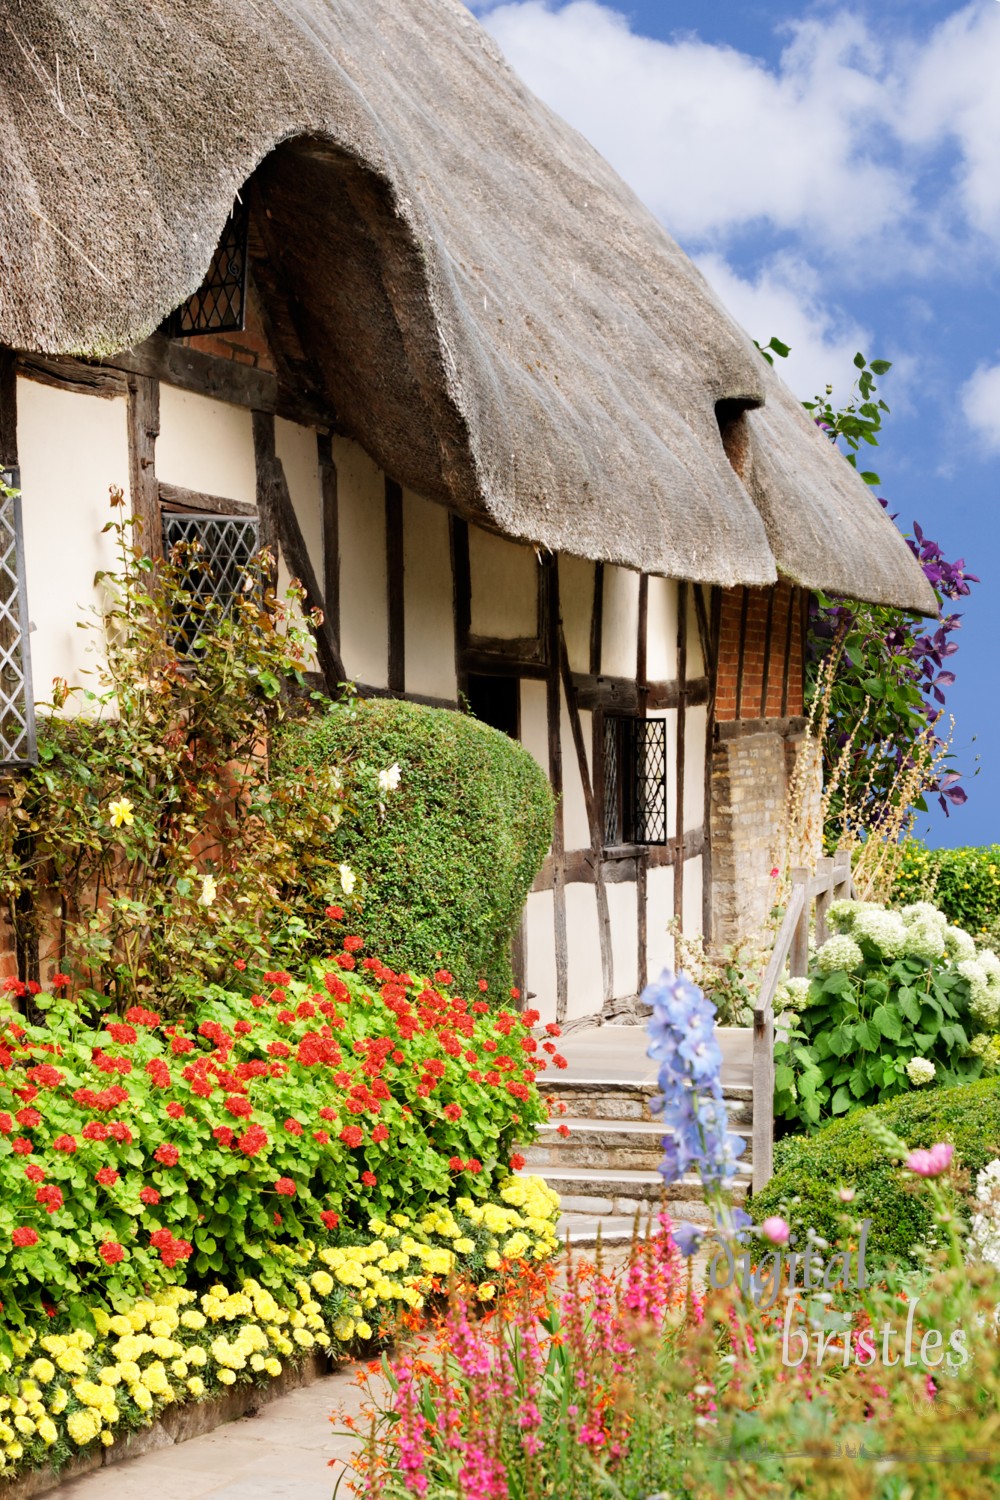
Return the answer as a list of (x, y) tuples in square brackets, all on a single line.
[(23, 1237), (175, 1110), (441, 976), (149, 1195), (560, 1062), (482, 985), (329, 1218), (473, 1166), (369, 1179), (64, 1143), (452, 1111), (239, 1105), (239, 963), (224, 1135), (243, 1028), (456, 1164), (51, 1197), (34, 1174), (285, 1186), (29, 1118), (126, 1036), (59, 980), (6, 1123), (517, 1162), (158, 1072), (353, 944), (352, 1135), (111, 1252), (322, 1136), (335, 913), (293, 1127), (141, 1017), (180, 1044), (380, 1133), (167, 1154), (95, 1130), (106, 1176), (345, 961), (23, 1146), (252, 1140), (327, 1113)]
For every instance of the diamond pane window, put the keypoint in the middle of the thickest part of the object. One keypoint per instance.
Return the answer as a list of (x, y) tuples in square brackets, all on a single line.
[(17, 706), (635, 781), (219, 304), (216, 550)]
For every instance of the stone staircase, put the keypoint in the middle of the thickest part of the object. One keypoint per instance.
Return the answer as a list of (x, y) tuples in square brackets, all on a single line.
[(606, 1169)]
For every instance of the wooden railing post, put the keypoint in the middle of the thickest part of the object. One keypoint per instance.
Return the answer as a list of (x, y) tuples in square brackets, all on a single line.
[(824, 895), (843, 883), (762, 1162), (800, 941)]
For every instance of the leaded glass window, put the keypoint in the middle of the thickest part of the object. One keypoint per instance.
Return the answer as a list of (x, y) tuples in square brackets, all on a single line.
[(635, 781), (17, 707), (219, 304), (216, 553)]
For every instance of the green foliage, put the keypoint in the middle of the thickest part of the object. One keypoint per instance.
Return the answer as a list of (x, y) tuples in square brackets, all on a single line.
[(810, 1170), (964, 883), (886, 990), (447, 857), (150, 826), (218, 1144)]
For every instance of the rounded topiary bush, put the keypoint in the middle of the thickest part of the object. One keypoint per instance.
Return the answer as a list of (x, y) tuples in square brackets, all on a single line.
[(809, 1170), (446, 857)]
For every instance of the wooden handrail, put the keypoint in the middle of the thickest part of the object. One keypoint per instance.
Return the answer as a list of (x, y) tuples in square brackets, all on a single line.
[(831, 882)]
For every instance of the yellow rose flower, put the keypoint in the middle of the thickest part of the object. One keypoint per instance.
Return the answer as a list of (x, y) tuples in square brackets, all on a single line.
[(120, 813)]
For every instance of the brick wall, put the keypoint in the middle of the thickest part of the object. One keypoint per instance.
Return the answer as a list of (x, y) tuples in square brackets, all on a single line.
[(758, 740), (760, 666)]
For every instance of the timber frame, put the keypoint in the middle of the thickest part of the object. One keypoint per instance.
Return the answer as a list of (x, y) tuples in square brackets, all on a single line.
[(543, 657)]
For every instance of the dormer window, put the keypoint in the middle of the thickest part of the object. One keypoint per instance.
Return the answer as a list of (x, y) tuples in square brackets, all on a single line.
[(219, 304)]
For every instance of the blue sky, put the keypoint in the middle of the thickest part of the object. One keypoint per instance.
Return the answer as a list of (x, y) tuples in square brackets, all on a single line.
[(835, 171)]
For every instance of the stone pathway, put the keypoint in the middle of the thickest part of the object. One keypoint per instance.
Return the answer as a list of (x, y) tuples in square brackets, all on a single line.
[(279, 1454)]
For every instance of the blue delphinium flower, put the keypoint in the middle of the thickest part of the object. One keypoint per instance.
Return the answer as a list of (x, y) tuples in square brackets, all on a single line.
[(682, 1039)]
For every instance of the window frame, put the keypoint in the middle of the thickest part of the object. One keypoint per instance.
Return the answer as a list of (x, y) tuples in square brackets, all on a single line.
[(21, 647), (630, 816)]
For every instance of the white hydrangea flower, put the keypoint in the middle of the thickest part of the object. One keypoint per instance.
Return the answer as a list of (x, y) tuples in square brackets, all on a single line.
[(885, 930), (958, 943), (984, 1239), (924, 911), (840, 915), (984, 997), (792, 995), (839, 952), (986, 1045), (920, 1070), (925, 939), (990, 964)]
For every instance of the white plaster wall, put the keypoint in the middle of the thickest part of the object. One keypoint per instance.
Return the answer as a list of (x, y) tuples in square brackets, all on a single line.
[(505, 578), (206, 445), (364, 625), (576, 824), (429, 620), (296, 448), (695, 655), (661, 630), (695, 735), (576, 602), (535, 720), (691, 916), (585, 994), (71, 448), (659, 910), (541, 977), (621, 622), (623, 911)]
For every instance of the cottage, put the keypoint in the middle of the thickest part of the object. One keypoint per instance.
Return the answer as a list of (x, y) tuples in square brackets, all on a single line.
[(325, 275)]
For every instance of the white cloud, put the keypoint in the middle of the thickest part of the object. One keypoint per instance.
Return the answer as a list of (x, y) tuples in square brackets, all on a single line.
[(981, 405), (785, 300), (711, 139)]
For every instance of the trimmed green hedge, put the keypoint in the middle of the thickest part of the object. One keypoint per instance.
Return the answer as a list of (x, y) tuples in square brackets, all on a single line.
[(448, 857), (809, 1170), (964, 883)]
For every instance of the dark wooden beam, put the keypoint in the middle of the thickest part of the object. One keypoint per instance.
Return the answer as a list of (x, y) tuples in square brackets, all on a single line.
[(73, 375), (641, 680), (622, 696), (734, 729), (621, 866), (143, 414), (551, 614), (331, 530), (642, 921), (223, 379), (277, 514), (593, 821), (491, 664), (8, 409), (682, 612), (597, 621), (175, 497), (704, 630), (519, 649), (744, 610), (395, 584), (669, 694), (789, 629), (265, 458), (366, 690), (766, 671)]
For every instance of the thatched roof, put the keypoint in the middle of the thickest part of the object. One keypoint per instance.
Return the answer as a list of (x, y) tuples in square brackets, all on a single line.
[(491, 311)]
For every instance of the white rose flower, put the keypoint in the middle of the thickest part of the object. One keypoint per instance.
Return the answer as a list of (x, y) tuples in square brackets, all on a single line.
[(348, 879), (209, 890), (389, 780), (920, 1070)]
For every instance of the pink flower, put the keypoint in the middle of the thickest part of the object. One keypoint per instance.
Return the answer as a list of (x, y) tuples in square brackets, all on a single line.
[(930, 1163), (776, 1230)]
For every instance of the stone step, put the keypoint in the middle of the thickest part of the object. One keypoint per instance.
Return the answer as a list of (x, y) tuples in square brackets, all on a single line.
[(599, 1192), (616, 1099), (610, 1144), (582, 1230)]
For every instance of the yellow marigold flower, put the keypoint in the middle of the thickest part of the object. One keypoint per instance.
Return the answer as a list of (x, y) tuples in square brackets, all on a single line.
[(120, 813), (196, 1385), (59, 1401), (464, 1245), (83, 1426), (141, 1396), (43, 1370), (129, 1371), (322, 1282), (192, 1319), (343, 1329), (179, 1368), (227, 1377), (486, 1291), (47, 1431), (303, 1338), (24, 1425), (492, 1259), (107, 1438), (273, 1367)]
